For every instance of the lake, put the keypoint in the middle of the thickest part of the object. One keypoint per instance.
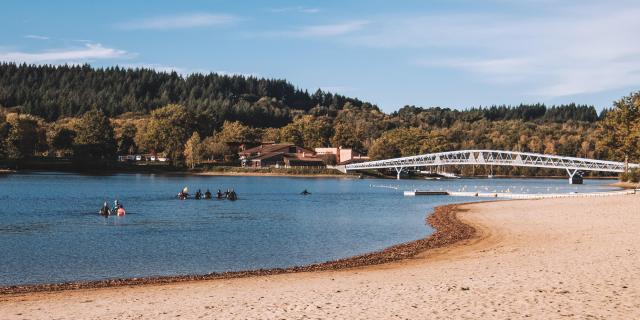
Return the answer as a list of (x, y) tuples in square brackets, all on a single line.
[(50, 231)]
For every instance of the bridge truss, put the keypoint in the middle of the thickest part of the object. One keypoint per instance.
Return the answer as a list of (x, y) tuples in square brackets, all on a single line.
[(494, 157)]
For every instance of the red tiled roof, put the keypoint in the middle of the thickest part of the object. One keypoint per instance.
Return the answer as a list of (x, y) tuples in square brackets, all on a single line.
[(309, 159), (267, 156), (267, 148)]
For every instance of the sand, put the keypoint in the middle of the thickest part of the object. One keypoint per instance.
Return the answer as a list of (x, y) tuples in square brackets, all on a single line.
[(572, 258)]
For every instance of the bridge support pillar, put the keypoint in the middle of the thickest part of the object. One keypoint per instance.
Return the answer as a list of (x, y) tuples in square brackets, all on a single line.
[(398, 171), (575, 176)]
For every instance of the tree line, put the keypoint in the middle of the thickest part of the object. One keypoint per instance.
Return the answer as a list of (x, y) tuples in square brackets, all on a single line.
[(84, 113)]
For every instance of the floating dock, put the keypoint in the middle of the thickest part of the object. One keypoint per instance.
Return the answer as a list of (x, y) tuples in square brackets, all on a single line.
[(517, 195)]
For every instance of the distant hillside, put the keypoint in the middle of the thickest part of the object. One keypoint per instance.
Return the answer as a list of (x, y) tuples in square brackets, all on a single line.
[(52, 92)]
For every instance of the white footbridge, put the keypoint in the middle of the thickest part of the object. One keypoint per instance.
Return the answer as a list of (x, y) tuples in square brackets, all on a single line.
[(573, 166)]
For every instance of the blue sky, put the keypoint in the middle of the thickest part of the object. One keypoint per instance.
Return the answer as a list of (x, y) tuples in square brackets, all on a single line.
[(452, 53)]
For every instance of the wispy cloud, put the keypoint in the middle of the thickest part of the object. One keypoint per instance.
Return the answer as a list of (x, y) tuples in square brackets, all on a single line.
[(90, 52), (179, 21), (321, 30), (295, 9), (36, 37), (574, 49)]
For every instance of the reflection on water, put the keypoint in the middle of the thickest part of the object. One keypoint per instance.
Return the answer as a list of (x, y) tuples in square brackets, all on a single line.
[(50, 230)]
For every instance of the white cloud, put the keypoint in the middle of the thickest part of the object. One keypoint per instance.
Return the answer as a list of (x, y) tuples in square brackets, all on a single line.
[(322, 30), (576, 48), (36, 37), (179, 21), (91, 51), (295, 9)]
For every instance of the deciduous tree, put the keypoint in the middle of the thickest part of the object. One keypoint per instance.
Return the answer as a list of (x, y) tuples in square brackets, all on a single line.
[(193, 151)]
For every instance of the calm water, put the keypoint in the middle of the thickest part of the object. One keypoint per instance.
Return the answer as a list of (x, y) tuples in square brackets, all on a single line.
[(50, 231)]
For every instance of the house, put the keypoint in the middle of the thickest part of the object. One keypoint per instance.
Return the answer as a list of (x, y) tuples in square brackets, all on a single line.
[(142, 157), (342, 155), (279, 154)]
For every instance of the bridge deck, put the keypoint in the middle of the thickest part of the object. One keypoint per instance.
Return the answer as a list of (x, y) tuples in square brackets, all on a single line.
[(495, 157)]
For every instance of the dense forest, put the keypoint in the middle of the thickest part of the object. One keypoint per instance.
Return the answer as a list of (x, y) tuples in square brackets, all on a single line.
[(80, 111)]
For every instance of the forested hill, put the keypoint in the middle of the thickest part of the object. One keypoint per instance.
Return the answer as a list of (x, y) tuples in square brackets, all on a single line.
[(80, 111), (53, 92)]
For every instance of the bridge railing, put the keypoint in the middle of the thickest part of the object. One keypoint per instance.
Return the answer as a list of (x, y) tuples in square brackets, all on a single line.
[(495, 157)]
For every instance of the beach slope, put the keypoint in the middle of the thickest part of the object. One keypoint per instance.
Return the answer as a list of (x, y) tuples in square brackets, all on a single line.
[(545, 259)]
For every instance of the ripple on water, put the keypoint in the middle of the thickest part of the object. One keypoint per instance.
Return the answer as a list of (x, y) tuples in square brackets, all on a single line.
[(50, 230)]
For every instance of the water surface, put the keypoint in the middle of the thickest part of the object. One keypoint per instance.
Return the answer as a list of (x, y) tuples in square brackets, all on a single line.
[(50, 231)]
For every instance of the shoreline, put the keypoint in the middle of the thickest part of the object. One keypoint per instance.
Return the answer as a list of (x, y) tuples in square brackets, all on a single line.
[(625, 185), (449, 230), (547, 259), (269, 174), (185, 173)]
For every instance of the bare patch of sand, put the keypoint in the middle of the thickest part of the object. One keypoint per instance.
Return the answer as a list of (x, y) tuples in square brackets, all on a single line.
[(545, 259)]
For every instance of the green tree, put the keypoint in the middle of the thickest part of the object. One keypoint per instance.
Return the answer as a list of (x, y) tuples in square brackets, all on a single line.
[(214, 149), (193, 151), (619, 131), (24, 137), (234, 132), (4, 133), (94, 137), (383, 149), (271, 135), (60, 140), (308, 131), (167, 131), (434, 142), (126, 139)]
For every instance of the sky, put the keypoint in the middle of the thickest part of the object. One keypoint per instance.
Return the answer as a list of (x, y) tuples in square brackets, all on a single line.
[(455, 53)]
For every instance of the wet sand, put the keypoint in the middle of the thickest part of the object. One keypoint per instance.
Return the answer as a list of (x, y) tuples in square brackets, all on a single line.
[(626, 185), (545, 259)]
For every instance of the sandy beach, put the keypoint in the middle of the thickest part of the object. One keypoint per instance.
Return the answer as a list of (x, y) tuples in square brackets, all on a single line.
[(572, 258)]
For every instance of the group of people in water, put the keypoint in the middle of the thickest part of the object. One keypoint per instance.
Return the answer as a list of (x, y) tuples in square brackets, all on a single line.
[(118, 209), (230, 194)]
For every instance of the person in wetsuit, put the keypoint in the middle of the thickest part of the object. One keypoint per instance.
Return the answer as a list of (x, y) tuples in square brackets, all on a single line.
[(105, 211), (232, 195), (207, 194)]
